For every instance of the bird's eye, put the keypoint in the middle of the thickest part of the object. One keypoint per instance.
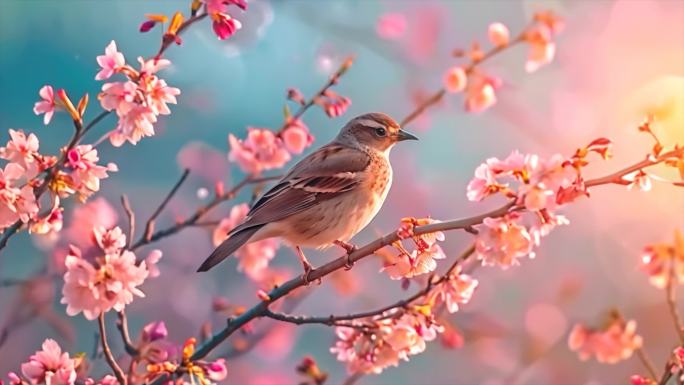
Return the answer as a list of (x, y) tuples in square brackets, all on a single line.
[(380, 132)]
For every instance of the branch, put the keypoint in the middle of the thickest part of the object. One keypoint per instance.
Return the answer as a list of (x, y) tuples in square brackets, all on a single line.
[(120, 375), (670, 295), (262, 308), (131, 219), (439, 94), (332, 320), (648, 364), (149, 226), (202, 211), (122, 325)]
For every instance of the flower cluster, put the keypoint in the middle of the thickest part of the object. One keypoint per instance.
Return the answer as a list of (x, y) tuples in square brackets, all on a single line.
[(49, 366), (253, 257), (541, 186), (20, 180), (108, 281), (421, 260), (139, 100), (372, 346), (665, 261), (480, 87), (616, 341)]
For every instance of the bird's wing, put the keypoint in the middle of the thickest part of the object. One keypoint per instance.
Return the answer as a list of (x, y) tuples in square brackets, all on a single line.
[(326, 173)]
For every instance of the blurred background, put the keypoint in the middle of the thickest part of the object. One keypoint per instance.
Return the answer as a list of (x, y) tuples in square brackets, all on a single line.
[(616, 61)]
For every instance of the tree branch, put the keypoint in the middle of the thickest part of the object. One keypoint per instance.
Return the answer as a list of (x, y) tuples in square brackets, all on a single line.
[(122, 325), (648, 364), (131, 219), (149, 225), (120, 375), (202, 211), (670, 296)]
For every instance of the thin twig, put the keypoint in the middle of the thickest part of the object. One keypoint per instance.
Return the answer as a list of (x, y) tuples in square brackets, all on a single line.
[(202, 211), (122, 325), (670, 295), (118, 372), (667, 374), (353, 379), (646, 361), (439, 94), (149, 225), (131, 219)]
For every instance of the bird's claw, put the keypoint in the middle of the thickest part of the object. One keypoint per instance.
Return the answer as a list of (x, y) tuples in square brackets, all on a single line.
[(349, 248)]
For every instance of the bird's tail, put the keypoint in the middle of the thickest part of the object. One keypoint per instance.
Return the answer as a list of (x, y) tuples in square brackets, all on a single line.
[(228, 247)]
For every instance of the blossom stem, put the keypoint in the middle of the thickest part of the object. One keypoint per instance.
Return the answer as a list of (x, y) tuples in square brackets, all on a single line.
[(331, 82), (439, 94), (122, 325), (670, 296), (166, 43), (149, 225), (201, 212), (617, 177), (131, 219), (646, 361), (339, 320), (118, 372)]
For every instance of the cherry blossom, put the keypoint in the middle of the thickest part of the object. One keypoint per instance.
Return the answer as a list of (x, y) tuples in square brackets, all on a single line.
[(542, 49), (108, 282), (111, 62), (50, 366), (480, 93), (253, 258), (23, 150), (455, 79), (418, 262), (224, 25), (261, 150), (664, 260), (502, 241), (613, 343), (456, 290), (296, 137), (82, 173), (47, 105), (138, 100), (16, 203), (498, 34)]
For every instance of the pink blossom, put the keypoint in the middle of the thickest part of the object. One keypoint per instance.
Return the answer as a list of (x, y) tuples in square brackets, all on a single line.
[(296, 137), (640, 180), (50, 366), (498, 34), (253, 257), (151, 261), (154, 331), (133, 126), (262, 150), (502, 241), (110, 241), (47, 105), (151, 66), (216, 370), (84, 172), (159, 94), (95, 213), (417, 263), (23, 150), (615, 342), (110, 282), (336, 106), (663, 260), (391, 26), (455, 291), (110, 62), (455, 79), (639, 380), (118, 96), (542, 48), (224, 26), (50, 223), (480, 94), (106, 380), (16, 203)]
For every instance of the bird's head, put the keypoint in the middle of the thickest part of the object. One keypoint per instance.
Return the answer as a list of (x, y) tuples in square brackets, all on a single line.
[(375, 130)]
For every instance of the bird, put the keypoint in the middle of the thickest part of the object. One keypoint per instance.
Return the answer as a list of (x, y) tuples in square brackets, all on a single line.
[(327, 197)]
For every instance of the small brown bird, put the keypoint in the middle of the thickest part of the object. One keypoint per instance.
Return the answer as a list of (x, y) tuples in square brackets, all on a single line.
[(328, 196)]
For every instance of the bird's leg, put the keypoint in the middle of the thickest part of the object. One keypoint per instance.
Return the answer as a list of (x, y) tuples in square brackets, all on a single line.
[(349, 248), (305, 264)]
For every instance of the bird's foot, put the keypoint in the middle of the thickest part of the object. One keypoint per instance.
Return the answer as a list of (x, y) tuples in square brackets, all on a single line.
[(349, 248), (306, 265)]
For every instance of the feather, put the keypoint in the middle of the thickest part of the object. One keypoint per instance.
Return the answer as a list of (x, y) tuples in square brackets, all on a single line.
[(229, 246)]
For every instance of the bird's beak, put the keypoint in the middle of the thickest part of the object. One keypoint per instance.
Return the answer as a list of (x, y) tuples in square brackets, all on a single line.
[(403, 135)]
